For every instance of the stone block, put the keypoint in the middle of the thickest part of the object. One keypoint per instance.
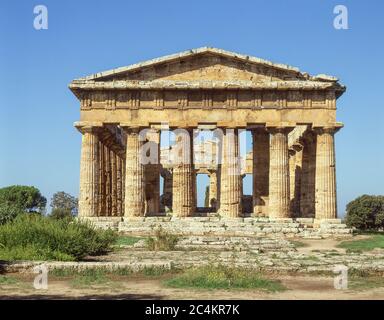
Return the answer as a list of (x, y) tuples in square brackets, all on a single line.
[(281, 220), (304, 220)]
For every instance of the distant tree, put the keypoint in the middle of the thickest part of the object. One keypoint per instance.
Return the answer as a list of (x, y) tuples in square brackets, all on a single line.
[(26, 198), (60, 213), (63, 200), (366, 212), (206, 199)]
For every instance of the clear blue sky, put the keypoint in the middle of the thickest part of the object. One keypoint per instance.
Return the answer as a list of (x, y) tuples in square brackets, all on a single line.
[(39, 146)]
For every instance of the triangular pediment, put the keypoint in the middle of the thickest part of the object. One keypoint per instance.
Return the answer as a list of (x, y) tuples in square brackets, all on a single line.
[(202, 64)]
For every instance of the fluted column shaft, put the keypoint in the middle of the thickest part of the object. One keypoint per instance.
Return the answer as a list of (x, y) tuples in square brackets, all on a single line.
[(260, 170), (123, 171), (279, 174), (213, 192), (101, 195), (108, 184), (89, 174), (119, 186), (134, 176), (325, 197), (113, 158), (308, 176), (231, 181), (152, 173), (183, 202), (167, 189)]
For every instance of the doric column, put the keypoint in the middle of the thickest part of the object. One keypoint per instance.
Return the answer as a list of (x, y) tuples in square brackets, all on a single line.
[(167, 188), (213, 189), (231, 181), (292, 167), (152, 172), (101, 194), (107, 179), (279, 173), (113, 158), (308, 173), (134, 176), (123, 170), (260, 170), (119, 186), (325, 204), (295, 165), (89, 173), (183, 169)]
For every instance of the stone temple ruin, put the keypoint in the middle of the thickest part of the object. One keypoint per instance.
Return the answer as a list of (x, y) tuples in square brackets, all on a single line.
[(290, 114)]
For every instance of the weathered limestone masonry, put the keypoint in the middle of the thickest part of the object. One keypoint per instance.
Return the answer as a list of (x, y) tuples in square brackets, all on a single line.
[(230, 194), (135, 184), (183, 192), (279, 174), (292, 118)]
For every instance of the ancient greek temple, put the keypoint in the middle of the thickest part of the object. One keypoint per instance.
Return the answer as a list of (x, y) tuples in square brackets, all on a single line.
[(291, 116)]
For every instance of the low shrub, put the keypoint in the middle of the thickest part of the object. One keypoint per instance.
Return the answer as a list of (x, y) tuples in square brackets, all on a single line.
[(32, 252), (9, 212), (163, 241), (40, 238)]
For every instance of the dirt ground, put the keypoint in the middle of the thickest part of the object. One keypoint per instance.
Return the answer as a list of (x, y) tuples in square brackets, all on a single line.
[(298, 287), (307, 287)]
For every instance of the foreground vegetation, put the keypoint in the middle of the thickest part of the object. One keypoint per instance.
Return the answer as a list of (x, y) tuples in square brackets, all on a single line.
[(208, 277), (373, 242), (366, 213), (127, 240), (162, 241), (223, 277), (35, 237)]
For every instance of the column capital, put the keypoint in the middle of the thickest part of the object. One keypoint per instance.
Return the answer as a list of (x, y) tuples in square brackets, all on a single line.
[(257, 129), (211, 171), (280, 129), (308, 136), (327, 129), (131, 129), (88, 127)]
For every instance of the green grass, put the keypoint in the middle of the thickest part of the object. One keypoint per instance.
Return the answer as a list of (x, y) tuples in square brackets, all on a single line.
[(151, 271), (127, 240), (222, 277), (8, 280), (310, 258), (375, 241), (90, 277), (102, 276), (298, 244), (363, 283)]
